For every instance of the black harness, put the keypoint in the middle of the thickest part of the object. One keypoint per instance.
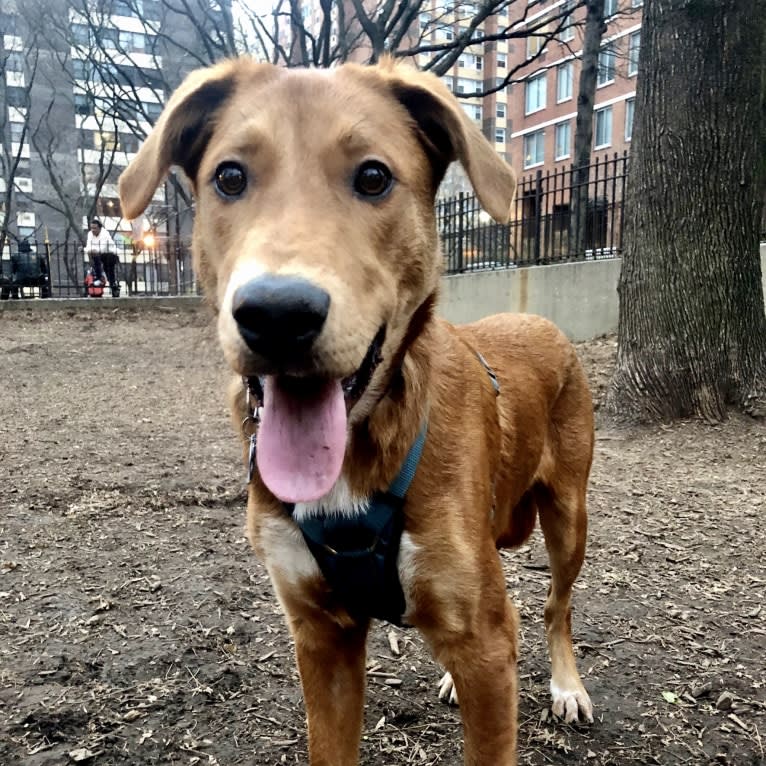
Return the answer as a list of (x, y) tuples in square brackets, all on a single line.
[(358, 553)]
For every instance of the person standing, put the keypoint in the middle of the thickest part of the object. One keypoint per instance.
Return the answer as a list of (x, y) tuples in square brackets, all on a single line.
[(102, 252)]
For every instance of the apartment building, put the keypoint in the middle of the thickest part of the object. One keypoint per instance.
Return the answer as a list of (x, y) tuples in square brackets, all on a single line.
[(79, 93), (543, 105)]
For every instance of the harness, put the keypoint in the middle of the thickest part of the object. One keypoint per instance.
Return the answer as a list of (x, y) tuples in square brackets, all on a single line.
[(357, 553)]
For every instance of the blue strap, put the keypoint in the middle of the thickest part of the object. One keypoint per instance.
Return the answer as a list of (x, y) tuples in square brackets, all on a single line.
[(402, 482)]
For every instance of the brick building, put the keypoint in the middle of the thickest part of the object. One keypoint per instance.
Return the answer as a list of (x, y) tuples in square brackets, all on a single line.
[(543, 107)]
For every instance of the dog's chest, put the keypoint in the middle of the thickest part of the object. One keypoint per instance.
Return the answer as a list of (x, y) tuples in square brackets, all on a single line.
[(357, 544)]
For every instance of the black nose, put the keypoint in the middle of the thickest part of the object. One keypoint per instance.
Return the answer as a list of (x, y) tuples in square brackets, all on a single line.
[(280, 317)]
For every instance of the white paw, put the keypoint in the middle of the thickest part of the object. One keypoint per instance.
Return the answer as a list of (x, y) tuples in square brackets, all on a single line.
[(447, 690), (572, 704)]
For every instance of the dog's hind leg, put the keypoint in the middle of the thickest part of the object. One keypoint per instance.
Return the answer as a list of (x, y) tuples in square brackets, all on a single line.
[(563, 521), (331, 663)]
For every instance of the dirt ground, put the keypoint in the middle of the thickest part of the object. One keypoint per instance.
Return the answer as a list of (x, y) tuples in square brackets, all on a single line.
[(136, 626)]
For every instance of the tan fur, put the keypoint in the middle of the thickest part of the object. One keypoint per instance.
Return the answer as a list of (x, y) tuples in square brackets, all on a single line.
[(490, 466)]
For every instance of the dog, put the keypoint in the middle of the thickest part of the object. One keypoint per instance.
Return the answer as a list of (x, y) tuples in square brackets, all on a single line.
[(315, 240)]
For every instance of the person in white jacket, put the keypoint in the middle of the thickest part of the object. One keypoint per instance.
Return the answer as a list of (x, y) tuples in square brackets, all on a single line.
[(102, 252)]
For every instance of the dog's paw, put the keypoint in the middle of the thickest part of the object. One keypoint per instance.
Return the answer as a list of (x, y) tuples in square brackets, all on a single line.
[(447, 690), (572, 704)]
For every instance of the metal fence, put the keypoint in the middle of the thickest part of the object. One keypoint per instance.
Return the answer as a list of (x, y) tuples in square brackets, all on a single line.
[(554, 219), (58, 270)]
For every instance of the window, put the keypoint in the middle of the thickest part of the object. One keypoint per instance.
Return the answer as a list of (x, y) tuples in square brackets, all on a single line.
[(132, 41), (108, 208), (129, 142), (465, 85), (564, 80), (534, 44), (606, 65), (563, 141), (610, 8), (630, 106), (446, 34), (8, 23), (16, 97), (83, 104), (472, 110), (634, 45), (535, 94), (80, 34), (14, 62), (425, 20), (500, 111), (80, 69), (534, 149), (499, 135), (502, 60), (567, 23), (471, 61), (17, 131), (108, 38), (106, 140), (153, 111), (123, 8), (603, 127)]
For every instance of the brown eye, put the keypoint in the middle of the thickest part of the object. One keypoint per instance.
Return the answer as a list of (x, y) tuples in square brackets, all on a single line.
[(230, 179), (373, 179)]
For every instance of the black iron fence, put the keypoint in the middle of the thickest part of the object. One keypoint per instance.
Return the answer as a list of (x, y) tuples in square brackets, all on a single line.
[(59, 270), (554, 218)]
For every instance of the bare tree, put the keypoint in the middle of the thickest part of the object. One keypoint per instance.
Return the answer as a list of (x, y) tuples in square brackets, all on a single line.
[(692, 329), (586, 98), (20, 66)]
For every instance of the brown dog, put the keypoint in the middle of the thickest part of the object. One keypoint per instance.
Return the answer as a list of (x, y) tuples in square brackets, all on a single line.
[(315, 239)]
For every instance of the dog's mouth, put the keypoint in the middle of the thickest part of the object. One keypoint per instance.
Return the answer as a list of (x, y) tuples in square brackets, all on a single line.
[(303, 428)]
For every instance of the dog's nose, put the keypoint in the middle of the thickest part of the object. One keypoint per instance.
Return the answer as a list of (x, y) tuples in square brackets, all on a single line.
[(280, 317)]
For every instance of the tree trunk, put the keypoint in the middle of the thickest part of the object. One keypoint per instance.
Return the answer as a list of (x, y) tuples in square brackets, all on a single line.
[(692, 329), (586, 98)]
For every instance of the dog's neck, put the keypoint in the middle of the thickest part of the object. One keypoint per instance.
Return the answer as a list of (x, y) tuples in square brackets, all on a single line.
[(380, 443)]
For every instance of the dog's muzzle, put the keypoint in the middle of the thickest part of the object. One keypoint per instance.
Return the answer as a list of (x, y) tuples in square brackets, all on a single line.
[(280, 317)]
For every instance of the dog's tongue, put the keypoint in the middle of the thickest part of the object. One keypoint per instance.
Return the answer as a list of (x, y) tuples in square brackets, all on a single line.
[(301, 440)]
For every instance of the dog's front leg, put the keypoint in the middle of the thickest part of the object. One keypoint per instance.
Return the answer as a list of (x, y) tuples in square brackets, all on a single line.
[(481, 657), (331, 662)]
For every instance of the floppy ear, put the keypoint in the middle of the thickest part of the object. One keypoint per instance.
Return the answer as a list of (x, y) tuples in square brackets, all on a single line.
[(179, 137), (448, 134)]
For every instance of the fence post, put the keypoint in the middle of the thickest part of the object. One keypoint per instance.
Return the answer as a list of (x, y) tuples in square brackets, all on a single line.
[(460, 230), (538, 216)]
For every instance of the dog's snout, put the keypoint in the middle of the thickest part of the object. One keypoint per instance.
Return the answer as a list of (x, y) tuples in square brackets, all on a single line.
[(280, 317)]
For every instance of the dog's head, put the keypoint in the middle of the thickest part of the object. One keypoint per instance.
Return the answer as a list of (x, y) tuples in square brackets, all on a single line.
[(315, 234)]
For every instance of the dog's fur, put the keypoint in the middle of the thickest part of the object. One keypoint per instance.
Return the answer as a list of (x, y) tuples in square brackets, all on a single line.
[(491, 464)]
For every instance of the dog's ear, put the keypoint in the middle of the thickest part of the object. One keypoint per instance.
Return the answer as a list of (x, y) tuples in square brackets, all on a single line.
[(179, 137), (448, 134)]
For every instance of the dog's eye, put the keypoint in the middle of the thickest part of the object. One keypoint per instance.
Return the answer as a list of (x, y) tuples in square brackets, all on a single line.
[(373, 179), (230, 179)]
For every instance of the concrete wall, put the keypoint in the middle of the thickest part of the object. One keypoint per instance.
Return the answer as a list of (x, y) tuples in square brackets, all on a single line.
[(581, 298)]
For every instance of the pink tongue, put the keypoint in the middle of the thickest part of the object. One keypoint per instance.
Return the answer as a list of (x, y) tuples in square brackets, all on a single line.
[(301, 441)]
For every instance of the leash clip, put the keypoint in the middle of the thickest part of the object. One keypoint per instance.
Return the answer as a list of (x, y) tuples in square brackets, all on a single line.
[(253, 399)]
